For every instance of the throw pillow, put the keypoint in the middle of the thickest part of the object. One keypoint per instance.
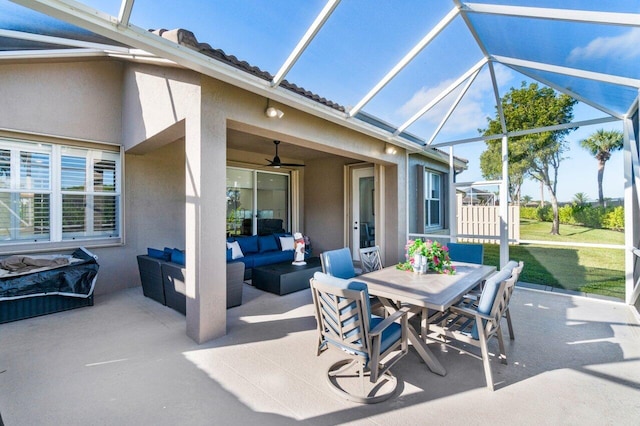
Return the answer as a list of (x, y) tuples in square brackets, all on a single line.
[(286, 243), (236, 251)]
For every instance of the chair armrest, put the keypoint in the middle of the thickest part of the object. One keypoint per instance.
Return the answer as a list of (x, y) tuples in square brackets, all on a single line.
[(389, 320), (469, 312)]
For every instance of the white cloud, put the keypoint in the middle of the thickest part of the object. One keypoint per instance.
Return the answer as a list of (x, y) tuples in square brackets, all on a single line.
[(624, 46), (471, 112)]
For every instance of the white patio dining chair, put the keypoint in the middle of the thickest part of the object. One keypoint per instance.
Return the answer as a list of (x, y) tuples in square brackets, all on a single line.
[(475, 326), (372, 344), (473, 297), (370, 259)]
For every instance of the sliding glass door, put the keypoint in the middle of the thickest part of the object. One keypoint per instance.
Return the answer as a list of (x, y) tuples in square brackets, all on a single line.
[(257, 202)]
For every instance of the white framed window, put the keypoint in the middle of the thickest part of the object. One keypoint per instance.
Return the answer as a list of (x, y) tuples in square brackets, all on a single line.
[(53, 193), (432, 199)]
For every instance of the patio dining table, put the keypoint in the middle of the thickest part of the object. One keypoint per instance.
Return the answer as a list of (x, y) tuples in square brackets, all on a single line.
[(397, 288)]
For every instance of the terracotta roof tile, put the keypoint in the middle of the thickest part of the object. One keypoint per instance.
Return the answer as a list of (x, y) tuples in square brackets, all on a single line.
[(188, 39)]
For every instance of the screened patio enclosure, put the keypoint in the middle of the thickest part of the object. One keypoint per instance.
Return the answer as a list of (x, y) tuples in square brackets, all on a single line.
[(417, 74)]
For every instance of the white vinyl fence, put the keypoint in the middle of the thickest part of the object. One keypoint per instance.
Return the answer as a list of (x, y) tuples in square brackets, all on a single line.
[(481, 224)]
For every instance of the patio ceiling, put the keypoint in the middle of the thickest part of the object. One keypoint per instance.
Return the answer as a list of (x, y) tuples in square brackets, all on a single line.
[(426, 73)]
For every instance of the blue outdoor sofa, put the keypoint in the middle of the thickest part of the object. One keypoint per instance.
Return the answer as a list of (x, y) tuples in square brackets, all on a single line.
[(261, 250)]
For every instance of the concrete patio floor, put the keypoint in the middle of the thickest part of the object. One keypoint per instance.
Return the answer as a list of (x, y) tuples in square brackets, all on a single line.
[(128, 361)]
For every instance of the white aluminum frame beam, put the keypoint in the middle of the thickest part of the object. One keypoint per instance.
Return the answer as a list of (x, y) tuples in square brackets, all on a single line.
[(304, 42), (431, 35), (125, 12), (573, 72), (21, 35), (571, 15), (51, 54), (453, 107), (566, 91), (442, 95), (498, 99), (562, 126)]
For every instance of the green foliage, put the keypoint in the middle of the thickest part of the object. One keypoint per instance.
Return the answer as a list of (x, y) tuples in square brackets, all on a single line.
[(580, 198), (528, 213), (437, 256), (614, 219), (528, 107), (544, 214), (602, 143), (585, 215)]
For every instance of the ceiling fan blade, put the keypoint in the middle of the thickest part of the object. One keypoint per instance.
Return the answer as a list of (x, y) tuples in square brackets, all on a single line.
[(276, 160)]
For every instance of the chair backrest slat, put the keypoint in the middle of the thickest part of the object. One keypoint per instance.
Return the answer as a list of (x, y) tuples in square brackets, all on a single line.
[(343, 315), (370, 259)]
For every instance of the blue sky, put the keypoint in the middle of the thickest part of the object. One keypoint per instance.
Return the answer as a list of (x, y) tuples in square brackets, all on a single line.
[(361, 42)]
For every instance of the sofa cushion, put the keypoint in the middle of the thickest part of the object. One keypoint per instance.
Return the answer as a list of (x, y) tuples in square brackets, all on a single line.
[(167, 253), (272, 257), (177, 256), (248, 261), (267, 243), (229, 253), (236, 251), (248, 244)]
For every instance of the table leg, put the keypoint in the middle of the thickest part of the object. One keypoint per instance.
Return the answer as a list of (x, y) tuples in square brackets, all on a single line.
[(418, 343)]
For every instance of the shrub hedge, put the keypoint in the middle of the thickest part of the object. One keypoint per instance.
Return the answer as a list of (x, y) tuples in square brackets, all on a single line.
[(574, 214)]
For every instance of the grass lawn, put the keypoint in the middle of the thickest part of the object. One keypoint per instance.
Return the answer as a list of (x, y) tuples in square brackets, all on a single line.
[(536, 230), (586, 269)]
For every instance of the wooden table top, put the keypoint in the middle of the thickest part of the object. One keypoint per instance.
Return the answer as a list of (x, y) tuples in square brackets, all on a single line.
[(431, 290)]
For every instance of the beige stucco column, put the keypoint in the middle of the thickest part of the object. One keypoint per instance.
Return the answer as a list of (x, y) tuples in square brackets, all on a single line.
[(205, 147)]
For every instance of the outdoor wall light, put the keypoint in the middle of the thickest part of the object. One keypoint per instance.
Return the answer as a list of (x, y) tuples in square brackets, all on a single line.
[(273, 112), (390, 149)]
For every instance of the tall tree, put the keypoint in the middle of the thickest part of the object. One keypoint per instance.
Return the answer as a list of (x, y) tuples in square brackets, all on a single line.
[(601, 144), (539, 155)]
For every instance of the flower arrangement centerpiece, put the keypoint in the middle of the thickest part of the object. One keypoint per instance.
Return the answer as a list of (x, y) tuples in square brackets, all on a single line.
[(435, 254)]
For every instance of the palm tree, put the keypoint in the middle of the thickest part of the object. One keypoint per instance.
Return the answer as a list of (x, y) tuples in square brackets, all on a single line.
[(580, 199), (601, 144)]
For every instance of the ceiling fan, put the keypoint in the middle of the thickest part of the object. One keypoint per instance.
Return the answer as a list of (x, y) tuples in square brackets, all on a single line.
[(276, 163)]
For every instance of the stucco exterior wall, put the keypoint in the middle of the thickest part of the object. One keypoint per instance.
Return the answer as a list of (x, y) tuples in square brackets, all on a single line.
[(154, 100), (76, 100), (324, 203)]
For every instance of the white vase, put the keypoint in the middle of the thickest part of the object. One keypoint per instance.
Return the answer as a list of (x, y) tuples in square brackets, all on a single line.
[(418, 261)]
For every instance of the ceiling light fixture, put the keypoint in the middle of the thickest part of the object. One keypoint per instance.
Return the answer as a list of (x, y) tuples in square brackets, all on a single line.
[(273, 112)]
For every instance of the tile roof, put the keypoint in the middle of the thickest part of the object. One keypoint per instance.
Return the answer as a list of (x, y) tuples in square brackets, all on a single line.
[(188, 39)]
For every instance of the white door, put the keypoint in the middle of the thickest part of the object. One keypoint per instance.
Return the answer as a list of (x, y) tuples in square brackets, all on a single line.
[(362, 210)]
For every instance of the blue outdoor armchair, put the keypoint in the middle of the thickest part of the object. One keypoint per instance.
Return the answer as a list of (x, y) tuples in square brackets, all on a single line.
[(338, 263), (373, 344), (470, 253)]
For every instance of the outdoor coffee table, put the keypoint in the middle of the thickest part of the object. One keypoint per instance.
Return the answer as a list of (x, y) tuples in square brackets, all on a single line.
[(283, 278)]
